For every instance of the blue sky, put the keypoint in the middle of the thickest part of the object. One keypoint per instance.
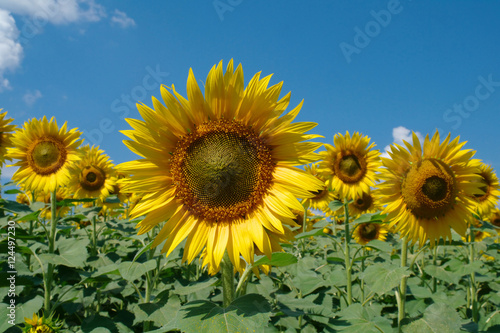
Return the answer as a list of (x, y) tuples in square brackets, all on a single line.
[(377, 67)]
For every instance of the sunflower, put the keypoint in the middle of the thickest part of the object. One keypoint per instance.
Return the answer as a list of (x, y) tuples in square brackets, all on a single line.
[(221, 168), (489, 185), (479, 234), (321, 198), (366, 232), (428, 191), (364, 204), (5, 136), (494, 217), (350, 166), (61, 194), (93, 176), (39, 325), (44, 152)]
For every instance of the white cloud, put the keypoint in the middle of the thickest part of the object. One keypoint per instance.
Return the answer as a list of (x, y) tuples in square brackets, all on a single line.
[(120, 18), (400, 134), (11, 51), (31, 97), (8, 172), (55, 11)]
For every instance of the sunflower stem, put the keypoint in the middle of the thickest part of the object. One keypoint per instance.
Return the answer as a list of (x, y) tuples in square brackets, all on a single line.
[(401, 295), (241, 288), (434, 262), (227, 280), (347, 253), (473, 287), (52, 241)]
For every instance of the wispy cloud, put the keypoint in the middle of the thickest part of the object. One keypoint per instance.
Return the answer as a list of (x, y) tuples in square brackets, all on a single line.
[(8, 172), (400, 134), (31, 97), (11, 51), (121, 19)]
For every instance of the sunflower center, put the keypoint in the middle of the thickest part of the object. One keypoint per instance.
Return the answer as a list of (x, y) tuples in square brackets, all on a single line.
[(485, 187), (363, 203), (320, 193), (222, 170), (350, 167), (368, 231), (92, 178), (46, 156), (496, 222), (429, 189)]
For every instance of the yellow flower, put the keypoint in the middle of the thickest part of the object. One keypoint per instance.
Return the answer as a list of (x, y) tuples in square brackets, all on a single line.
[(427, 191), (490, 187), (367, 203), (321, 198), (93, 176), (220, 167), (494, 217), (5, 136), (38, 325), (366, 232), (44, 152), (350, 165)]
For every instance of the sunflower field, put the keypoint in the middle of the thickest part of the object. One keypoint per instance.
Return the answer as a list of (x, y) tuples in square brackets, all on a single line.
[(235, 218)]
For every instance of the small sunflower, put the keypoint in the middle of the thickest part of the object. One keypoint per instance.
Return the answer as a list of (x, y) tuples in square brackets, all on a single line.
[(479, 235), (366, 203), (428, 191), (350, 165), (39, 325), (61, 194), (489, 185), (44, 152), (93, 176), (366, 232), (322, 197), (494, 217), (220, 167), (5, 136)]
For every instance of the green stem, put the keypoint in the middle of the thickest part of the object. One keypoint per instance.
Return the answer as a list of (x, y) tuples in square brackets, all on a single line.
[(52, 242), (227, 280), (150, 281), (401, 295), (362, 282), (347, 253), (241, 288), (434, 262), (473, 287)]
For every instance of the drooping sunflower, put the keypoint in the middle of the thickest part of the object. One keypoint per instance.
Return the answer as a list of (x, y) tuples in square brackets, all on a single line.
[(366, 232), (44, 152), (93, 175), (5, 136), (220, 167), (428, 191), (321, 198), (350, 166), (487, 201)]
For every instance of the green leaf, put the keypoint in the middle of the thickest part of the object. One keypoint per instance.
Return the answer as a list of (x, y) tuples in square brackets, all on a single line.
[(278, 259), (193, 287), (159, 313), (441, 273), (249, 313), (335, 205), (438, 318), (314, 232), (132, 271), (13, 191), (72, 253), (27, 309), (144, 249), (112, 199), (28, 217), (15, 207), (364, 320), (381, 278), (70, 202), (98, 324)]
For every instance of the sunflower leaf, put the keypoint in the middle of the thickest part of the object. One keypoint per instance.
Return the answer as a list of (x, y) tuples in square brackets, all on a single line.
[(438, 318), (131, 271), (249, 313), (335, 205), (279, 259), (382, 278), (363, 320)]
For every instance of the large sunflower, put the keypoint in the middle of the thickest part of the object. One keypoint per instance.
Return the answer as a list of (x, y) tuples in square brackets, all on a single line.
[(429, 190), (5, 136), (93, 176), (350, 165), (487, 201), (44, 152), (220, 167)]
